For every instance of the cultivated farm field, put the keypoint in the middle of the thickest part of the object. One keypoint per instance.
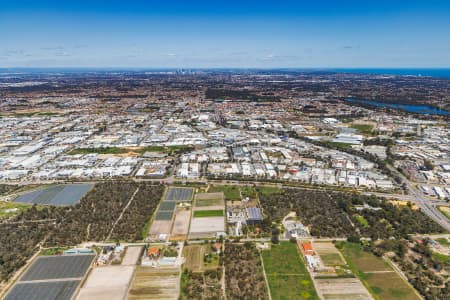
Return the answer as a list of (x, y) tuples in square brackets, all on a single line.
[(329, 255), (150, 283), (287, 274), (382, 281)]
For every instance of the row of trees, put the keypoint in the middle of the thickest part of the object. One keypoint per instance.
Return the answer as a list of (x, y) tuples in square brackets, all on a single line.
[(7, 188)]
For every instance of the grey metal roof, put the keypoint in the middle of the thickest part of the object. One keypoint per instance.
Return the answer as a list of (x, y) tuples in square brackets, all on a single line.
[(254, 213)]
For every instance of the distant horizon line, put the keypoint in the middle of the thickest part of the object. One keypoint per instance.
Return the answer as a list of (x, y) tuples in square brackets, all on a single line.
[(235, 68), (430, 72)]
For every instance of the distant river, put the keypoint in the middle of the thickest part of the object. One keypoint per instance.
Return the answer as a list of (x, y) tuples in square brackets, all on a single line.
[(413, 108)]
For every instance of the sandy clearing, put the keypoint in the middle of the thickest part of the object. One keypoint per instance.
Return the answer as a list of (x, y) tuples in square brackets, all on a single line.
[(160, 227), (194, 257), (212, 196), (207, 226), (341, 288), (131, 256), (109, 283), (181, 223), (210, 207)]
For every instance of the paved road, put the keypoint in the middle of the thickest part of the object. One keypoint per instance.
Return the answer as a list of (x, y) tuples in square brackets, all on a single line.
[(401, 197), (427, 206)]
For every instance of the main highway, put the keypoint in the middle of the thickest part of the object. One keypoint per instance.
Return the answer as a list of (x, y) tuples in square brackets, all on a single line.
[(427, 206)]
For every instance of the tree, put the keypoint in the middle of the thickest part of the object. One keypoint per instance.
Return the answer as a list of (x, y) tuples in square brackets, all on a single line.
[(354, 238), (428, 164)]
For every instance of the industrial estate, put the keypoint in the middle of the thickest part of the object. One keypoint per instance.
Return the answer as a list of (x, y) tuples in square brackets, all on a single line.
[(224, 184)]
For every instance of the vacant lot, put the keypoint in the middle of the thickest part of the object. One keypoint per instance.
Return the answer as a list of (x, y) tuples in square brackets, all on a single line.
[(150, 283), (231, 192), (107, 283), (342, 288), (181, 224), (208, 213), (364, 261), (64, 194), (193, 257), (268, 190), (206, 226), (179, 194), (131, 256), (383, 282), (209, 199), (160, 227), (287, 273), (9, 209), (445, 210), (363, 128), (329, 255), (248, 191)]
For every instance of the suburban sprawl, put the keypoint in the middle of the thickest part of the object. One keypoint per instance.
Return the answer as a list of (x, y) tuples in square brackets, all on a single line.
[(224, 184)]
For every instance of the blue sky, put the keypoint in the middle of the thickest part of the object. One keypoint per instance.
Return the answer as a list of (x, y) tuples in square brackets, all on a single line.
[(246, 33)]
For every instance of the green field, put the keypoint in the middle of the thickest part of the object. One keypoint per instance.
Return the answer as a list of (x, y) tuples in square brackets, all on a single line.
[(287, 274), (268, 190), (337, 145), (331, 259), (443, 241), (248, 191), (376, 274), (122, 150), (442, 258), (231, 192), (208, 213), (445, 210), (53, 251), (105, 150), (361, 220), (9, 209), (208, 202), (363, 128)]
